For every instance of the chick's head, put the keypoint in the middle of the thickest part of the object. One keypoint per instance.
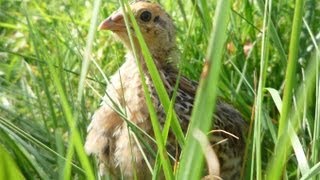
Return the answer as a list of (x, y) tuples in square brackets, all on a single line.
[(155, 24)]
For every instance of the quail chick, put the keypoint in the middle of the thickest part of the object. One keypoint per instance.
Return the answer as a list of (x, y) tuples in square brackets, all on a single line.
[(108, 135)]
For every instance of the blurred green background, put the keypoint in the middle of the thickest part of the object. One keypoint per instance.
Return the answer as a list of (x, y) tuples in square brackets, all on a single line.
[(42, 47)]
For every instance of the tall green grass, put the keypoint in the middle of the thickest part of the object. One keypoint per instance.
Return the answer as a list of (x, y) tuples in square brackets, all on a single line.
[(204, 105), (54, 67)]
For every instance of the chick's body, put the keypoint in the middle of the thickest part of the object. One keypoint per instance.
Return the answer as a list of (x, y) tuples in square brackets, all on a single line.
[(108, 135)]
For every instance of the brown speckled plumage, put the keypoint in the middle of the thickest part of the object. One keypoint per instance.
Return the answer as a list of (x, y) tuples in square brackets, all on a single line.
[(108, 135)]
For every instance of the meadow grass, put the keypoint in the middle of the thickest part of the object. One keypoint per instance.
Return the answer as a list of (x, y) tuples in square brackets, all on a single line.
[(264, 59)]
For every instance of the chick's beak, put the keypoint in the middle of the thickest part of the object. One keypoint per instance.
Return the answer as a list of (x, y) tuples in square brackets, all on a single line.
[(115, 22)]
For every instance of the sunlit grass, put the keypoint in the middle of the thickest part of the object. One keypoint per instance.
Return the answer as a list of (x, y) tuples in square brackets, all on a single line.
[(49, 86)]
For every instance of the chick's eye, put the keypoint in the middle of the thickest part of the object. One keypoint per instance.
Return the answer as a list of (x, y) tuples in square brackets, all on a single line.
[(145, 16)]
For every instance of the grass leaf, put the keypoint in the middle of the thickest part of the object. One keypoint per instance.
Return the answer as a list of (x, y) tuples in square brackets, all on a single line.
[(201, 119)]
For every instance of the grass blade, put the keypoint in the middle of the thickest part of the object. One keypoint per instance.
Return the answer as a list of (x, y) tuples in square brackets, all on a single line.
[(281, 151), (157, 82), (201, 119), (87, 54), (258, 119), (291, 67), (315, 170), (276, 169), (9, 169)]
